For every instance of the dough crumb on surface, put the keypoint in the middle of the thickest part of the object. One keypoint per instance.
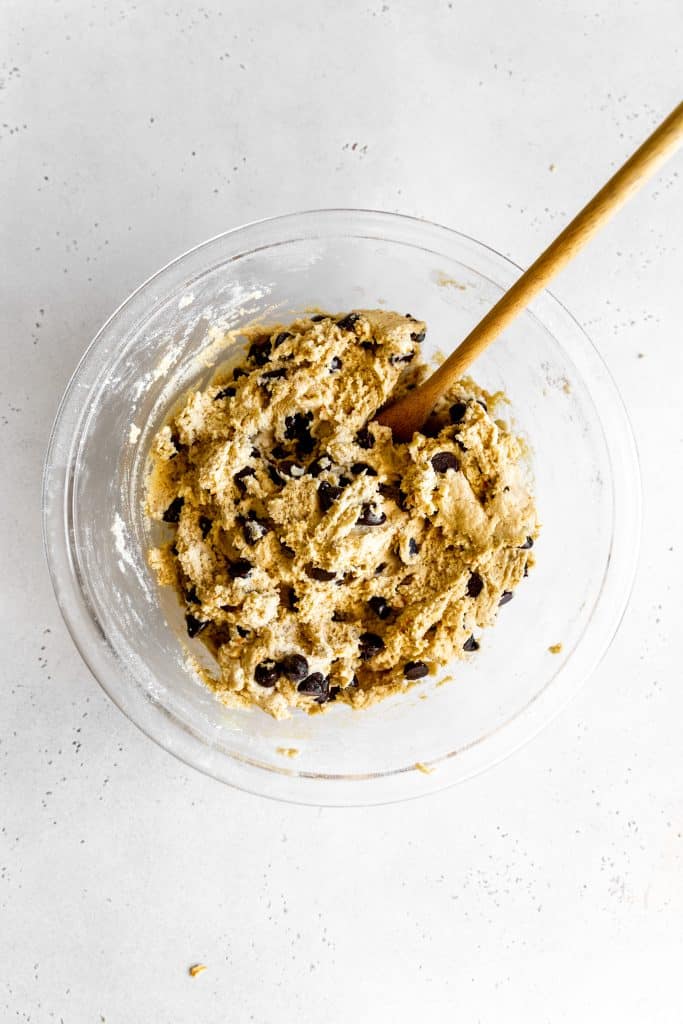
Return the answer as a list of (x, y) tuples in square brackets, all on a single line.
[(318, 560), (196, 969), (424, 768), (288, 751), (555, 648)]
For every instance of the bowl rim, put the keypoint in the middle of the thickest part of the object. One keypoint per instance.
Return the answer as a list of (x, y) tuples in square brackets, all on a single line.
[(296, 786)]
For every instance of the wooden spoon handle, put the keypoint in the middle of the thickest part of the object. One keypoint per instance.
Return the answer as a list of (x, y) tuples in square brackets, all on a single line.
[(410, 413)]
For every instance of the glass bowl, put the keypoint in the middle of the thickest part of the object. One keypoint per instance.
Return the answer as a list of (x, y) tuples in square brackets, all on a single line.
[(131, 633)]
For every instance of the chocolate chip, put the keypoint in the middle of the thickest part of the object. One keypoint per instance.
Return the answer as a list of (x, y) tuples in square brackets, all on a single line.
[(278, 452), (225, 393), (240, 568), (319, 465), (418, 336), (291, 468), (415, 670), (205, 526), (191, 596), (254, 530), (322, 575), (280, 372), (380, 568), (292, 600), (348, 322), (275, 476), (369, 346), (327, 495), (335, 364), (413, 547), (364, 439), (297, 428), (483, 404), (172, 513), (287, 551), (443, 461), (244, 633), (362, 467), (526, 569), (194, 626), (316, 684), (470, 644), (380, 607), (267, 673), (295, 667), (174, 550), (528, 543), (505, 598), (240, 477), (239, 372), (282, 336), (318, 317), (457, 412), (259, 352), (394, 493), (371, 516), (333, 694), (395, 360), (475, 585), (370, 645), (255, 453)]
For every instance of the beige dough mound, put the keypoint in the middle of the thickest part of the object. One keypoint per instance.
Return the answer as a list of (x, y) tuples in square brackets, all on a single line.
[(317, 559)]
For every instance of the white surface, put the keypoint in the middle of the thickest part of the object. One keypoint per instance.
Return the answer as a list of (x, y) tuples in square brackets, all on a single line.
[(549, 889)]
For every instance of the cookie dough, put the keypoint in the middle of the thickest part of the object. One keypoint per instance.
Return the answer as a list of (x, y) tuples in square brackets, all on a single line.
[(318, 560)]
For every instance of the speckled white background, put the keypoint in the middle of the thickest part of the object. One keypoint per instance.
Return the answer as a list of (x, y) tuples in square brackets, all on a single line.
[(548, 890)]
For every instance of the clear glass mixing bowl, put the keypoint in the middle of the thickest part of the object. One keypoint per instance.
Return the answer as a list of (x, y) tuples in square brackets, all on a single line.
[(131, 633)]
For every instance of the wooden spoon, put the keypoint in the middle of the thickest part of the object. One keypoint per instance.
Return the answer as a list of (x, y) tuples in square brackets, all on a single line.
[(407, 415)]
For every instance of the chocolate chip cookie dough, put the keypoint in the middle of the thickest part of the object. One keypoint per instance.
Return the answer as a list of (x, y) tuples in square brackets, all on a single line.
[(318, 560)]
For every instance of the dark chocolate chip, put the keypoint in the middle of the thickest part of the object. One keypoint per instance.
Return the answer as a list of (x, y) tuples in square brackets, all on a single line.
[(292, 599), (267, 673), (282, 336), (259, 352), (240, 477), (413, 547), (348, 322), (255, 453), (418, 336), (475, 585), (315, 684), (205, 526), (287, 551), (505, 597), (295, 667), (225, 393), (470, 644), (334, 693), (335, 364), (461, 446), (380, 568), (254, 530), (370, 645), (194, 626), (244, 633), (239, 372), (278, 452), (415, 670), (240, 568), (318, 317), (276, 374), (369, 346), (327, 495), (395, 360), (364, 439), (275, 476), (344, 481), (528, 543), (319, 465), (483, 404), (394, 493), (191, 596), (322, 575), (526, 569), (380, 607), (174, 550), (443, 461), (298, 425), (172, 513), (291, 468), (362, 467), (457, 412), (371, 516)]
